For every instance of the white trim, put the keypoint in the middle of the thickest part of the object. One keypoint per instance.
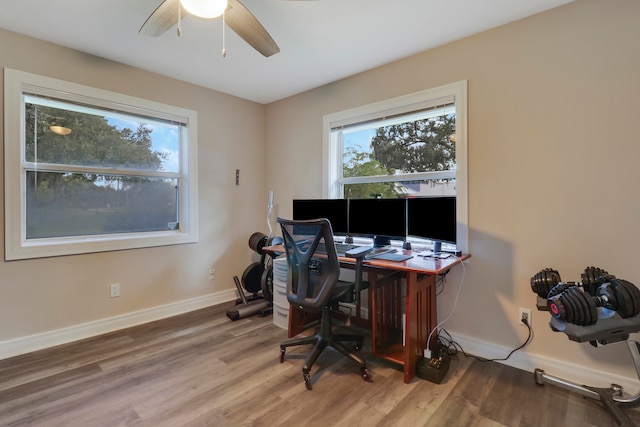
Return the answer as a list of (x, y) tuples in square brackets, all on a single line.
[(402, 104), (418, 176), (48, 339), (462, 167), (17, 246), (561, 368)]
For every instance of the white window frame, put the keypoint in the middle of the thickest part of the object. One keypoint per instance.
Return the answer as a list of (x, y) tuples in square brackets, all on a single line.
[(332, 151), (17, 246)]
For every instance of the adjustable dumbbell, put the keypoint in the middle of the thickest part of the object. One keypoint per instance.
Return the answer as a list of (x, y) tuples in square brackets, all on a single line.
[(544, 281), (618, 295), (568, 301), (621, 296), (593, 277)]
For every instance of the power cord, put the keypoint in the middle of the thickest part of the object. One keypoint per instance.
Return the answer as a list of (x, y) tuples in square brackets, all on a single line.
[(441, 280), (453, 347), (427, 352)]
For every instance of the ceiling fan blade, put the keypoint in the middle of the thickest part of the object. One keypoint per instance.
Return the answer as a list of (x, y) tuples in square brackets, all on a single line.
[(162, 19), (247, 26)]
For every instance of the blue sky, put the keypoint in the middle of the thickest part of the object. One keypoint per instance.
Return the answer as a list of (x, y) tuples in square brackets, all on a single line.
[(360, 140), (164, 138)]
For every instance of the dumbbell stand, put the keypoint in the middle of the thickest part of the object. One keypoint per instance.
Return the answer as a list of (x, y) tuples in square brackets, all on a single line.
[(612, 398)]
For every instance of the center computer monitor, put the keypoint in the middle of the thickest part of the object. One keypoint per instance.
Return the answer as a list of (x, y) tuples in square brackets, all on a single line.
[(382, 219), (335, 210), (432, 218)]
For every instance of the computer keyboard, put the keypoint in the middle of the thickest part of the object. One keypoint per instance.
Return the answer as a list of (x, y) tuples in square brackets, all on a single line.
[(341, 248), (380, 251), (344, 247)]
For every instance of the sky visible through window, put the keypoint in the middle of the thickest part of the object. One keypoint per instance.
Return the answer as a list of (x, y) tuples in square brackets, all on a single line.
[(165, 138), (360, 141)]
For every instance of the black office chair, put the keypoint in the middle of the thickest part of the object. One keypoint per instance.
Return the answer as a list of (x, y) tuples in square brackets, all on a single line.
[(313, 287)]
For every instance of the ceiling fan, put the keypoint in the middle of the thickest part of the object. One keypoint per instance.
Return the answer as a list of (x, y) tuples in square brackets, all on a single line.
[(236, 15)]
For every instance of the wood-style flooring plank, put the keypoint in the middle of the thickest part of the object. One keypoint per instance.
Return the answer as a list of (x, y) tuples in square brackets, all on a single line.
[(201, 369)]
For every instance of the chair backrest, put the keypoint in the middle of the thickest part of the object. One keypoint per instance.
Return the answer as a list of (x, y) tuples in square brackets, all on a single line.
[(313, 262)]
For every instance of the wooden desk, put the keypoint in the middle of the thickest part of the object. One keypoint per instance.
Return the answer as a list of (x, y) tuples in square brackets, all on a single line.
[(387, 304)]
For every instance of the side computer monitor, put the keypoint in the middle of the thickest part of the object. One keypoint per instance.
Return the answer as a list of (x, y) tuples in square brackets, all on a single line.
[(335, 210), (382, 219), (432, 218)]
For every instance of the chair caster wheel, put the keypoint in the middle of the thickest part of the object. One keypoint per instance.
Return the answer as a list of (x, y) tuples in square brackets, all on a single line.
[(307, 380), (282, 352), (366, 375)]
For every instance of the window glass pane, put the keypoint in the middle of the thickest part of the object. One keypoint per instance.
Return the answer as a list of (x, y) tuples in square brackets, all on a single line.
[(375, 190), (60, 132), (390, 190), (73, 204), (414, 145), (401, 146), (89, 170), (430, 187)]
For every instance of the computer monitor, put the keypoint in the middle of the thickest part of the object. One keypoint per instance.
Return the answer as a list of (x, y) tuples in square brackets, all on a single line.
[(432, 218), (335, 210), (382, 219)]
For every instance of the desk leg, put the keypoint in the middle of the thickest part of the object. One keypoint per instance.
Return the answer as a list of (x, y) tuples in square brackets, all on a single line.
[(298, 319), (387, 307), (386, 316), (421, 319)]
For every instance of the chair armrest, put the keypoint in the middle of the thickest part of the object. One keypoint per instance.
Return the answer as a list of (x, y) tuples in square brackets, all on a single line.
[(359, 254)]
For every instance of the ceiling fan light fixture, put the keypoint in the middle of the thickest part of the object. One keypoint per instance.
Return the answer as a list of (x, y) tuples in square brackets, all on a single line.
[(205, 8), (60, 130)]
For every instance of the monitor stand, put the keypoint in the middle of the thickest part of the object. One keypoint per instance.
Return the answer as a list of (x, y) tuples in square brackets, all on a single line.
[(381, 241), (348, 239)]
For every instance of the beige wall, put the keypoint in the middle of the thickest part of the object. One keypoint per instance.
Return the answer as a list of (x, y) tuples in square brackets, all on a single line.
[(37, 296), (553, 155)]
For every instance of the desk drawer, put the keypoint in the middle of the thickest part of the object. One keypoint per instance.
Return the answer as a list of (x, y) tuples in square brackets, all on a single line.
[(281, 316)]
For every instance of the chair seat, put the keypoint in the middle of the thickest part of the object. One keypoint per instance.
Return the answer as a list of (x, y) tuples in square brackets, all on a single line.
[(342, 291)]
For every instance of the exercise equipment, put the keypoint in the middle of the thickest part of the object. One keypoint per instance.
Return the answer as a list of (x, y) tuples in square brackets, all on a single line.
[(577, 302), (600, 309), (257, 279)]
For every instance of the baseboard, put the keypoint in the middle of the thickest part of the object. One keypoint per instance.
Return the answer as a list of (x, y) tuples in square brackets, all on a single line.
[(48, 339), (560, 368)]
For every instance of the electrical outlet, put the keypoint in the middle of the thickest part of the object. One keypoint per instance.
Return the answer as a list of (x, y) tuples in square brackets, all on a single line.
[(212, 274), (115, 290), (524, 313)]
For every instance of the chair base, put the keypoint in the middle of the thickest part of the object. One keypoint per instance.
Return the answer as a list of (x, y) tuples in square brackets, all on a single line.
[(323, 338)]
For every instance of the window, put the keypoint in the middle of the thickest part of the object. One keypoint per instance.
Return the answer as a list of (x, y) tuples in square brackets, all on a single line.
[(410, 146), (88, 170)]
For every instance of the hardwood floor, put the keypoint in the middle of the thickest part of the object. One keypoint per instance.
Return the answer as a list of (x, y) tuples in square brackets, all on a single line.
[(202, 369)]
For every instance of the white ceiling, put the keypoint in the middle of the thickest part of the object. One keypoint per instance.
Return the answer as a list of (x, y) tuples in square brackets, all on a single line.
[(320, 41)]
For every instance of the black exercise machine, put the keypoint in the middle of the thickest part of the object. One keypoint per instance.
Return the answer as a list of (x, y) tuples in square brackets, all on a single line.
[(257, 279), (600, 309)]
